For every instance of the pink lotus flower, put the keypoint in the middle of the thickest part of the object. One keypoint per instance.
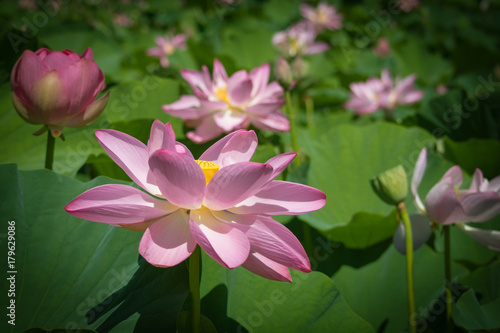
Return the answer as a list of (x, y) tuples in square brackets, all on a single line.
[(222, 202), (408, 5), (57, 89), (382, 49), (446, 204), (299, 39), (166, 46), (374, 94), (223, 104), (324, 16)]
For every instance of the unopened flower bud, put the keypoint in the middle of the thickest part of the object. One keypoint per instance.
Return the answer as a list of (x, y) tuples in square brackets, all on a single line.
[(391, 185)]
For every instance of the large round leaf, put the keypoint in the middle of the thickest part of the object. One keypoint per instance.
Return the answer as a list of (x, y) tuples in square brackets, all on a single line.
[(377, 291), (346, 158), (68, 270), (312, 302)]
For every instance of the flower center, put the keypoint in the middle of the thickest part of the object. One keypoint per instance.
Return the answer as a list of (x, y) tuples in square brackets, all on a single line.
[(294, 46), (221, 94), (168, 48), (209, 169)]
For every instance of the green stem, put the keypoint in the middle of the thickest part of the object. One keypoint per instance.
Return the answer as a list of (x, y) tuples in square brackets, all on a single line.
[(447, 277), (49, 154), (291, 115), (194, 287), (409, 265), (309, 102)]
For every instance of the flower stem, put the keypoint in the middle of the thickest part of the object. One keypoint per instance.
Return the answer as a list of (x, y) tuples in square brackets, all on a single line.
[(194, 287), (292, 115), (447, 277), (49, 154), (409, 264), (309, 102)]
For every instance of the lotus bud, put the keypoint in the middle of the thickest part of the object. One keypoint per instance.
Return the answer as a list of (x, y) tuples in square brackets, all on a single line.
[(57, 89), (391, 185)]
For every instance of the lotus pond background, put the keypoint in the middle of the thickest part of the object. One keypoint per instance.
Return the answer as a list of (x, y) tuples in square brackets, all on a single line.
[(77, 275)]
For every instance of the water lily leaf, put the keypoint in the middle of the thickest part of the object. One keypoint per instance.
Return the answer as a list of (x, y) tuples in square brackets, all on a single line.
[(343, 161), (388, 273), (67, 268), (475, 153), (311, 302), (471, 315)]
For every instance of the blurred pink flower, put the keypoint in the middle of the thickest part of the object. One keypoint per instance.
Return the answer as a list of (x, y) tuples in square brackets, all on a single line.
[(382, 49), (57, 89), (122, 20), (289, 74), (324, 16), (408, 5), (222, 104), (441, 89), (166, 46), (299, 39), (374, 94), (222, 202), (447, 204)]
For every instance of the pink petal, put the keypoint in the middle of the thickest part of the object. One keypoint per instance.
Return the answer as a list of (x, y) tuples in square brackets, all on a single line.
[(477, 180), (272, 92), (238, 146), (155, 52), (265, 267), (84, 81), (182, 149), (481, 206), (493, 185), (280, 162), (229, 121), (206, 131), (179, 177), (168, 241), (442, 204), (235, 183), (454, 174), (282, 198), (411, 97), (58, 60), (265, 108), (259, 77), (162, 137), (222, 241), (219, 73), (118, 204), (187, 107), (276, 122), (131, 155), (27, 70), (199, 81), (421, 231), (89, 114), (239, 93), (488, 238), (271, 239), (50, 99), (418, 173), (317, 47), (88, 54)]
